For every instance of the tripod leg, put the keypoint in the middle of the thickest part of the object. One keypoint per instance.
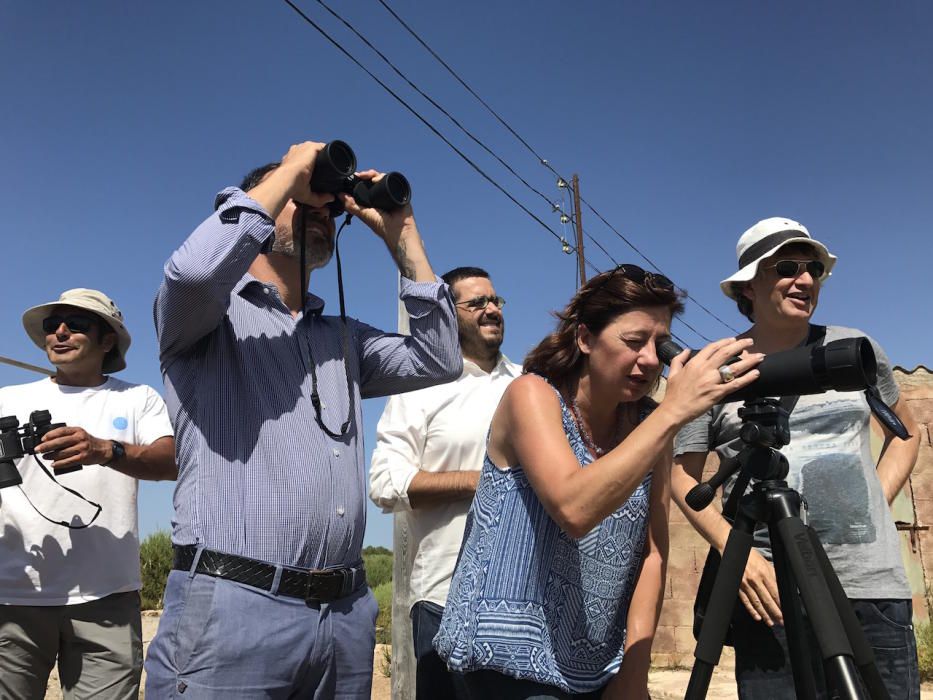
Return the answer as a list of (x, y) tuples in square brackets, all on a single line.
[(719, 609), (861, 649), (827, 627), (798, 646)]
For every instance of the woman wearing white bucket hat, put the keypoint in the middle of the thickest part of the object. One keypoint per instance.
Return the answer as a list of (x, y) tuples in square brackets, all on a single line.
[(777, 286)]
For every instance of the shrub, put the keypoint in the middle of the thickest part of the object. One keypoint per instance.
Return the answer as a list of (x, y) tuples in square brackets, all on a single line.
[(155, 562), (383, 594), (924, 632), (376, 550), (378, 569)]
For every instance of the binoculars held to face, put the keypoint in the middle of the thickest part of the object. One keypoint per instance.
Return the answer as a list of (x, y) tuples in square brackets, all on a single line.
[(333, 173)]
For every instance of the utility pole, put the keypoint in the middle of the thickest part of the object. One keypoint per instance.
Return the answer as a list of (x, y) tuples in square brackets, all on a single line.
[(581, 261)]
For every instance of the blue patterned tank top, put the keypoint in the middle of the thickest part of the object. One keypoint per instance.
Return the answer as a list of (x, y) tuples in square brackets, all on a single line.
[(531, 602)]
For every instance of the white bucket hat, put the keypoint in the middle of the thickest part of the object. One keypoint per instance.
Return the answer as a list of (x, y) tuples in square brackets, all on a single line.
[(763, 240), (98, 304)]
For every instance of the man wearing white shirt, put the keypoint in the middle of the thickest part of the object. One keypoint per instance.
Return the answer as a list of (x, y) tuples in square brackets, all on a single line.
[(69, 580), (427, 461)]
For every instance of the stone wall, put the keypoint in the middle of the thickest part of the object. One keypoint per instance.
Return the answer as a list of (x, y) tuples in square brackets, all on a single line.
[(674, 642)]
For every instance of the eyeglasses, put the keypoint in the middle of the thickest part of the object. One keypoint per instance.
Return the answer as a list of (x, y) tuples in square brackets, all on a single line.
[(74, 323), (480, 303), (649, 280), (792, 268)]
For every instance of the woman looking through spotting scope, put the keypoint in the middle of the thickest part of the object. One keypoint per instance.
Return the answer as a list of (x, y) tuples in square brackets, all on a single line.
[(566, 542)]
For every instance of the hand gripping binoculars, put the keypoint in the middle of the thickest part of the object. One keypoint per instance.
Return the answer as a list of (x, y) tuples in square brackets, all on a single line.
[(333, 174)]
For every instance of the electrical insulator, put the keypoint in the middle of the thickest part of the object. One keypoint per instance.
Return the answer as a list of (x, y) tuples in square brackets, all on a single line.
[(565, 246), (564, 219), (561, 183)]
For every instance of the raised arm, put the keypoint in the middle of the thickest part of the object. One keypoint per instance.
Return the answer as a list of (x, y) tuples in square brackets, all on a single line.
[(527, 430), (202, 273), (391, 363)]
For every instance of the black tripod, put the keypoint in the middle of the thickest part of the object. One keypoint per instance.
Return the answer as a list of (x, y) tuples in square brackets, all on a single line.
[(804, 574)]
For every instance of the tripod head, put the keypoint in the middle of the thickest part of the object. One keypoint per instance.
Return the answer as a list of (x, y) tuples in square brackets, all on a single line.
[(765, 429)]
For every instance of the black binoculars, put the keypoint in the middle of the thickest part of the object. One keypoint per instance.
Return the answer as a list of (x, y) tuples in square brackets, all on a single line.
[(333, 174), (16, 441)]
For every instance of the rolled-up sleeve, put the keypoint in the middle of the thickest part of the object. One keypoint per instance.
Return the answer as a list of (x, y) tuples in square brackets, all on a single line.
[(201, 274), (393, 363), (400, 438)]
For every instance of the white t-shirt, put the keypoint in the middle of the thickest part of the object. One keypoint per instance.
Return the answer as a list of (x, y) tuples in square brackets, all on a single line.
[(46, 564), (439, 429)]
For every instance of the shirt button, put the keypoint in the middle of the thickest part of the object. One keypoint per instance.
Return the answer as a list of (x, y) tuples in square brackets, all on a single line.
[(336, 452), (340, 511)]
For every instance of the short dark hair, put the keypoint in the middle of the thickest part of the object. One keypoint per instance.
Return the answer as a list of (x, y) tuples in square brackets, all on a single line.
[(461, 273), (743, 302), (746, 308), (255, 176)]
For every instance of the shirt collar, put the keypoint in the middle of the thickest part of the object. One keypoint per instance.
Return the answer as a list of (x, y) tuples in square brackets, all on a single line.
[(504, 366), (247, 283)]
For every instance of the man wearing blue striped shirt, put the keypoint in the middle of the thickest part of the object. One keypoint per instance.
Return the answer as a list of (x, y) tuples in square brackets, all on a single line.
[(267, 597)]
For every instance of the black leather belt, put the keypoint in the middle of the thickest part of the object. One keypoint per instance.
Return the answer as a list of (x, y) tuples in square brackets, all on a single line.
[(312, 586)]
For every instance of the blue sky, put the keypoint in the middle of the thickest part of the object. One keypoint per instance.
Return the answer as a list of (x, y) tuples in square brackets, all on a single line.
[(687, 122)]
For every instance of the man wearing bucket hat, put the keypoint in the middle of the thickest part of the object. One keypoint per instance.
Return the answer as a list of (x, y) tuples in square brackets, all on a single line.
[(69, 572), (781, 273)]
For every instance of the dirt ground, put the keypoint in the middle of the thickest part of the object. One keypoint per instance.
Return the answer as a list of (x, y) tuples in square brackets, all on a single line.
[(381, 686)]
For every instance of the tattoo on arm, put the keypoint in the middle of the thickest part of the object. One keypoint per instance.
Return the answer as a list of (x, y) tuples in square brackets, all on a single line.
[(405, 265)]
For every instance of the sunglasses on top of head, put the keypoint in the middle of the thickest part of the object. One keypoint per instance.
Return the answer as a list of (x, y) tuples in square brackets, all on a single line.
[(650, 280)]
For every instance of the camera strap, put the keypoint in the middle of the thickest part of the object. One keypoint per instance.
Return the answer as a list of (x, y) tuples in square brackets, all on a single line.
[(71, 491), (344, 334)]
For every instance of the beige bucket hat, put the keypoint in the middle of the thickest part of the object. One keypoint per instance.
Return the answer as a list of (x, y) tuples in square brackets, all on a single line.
[(98, 304)]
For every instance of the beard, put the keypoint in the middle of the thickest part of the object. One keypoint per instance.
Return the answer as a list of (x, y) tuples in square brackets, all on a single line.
[(317, 253), (475, 344)]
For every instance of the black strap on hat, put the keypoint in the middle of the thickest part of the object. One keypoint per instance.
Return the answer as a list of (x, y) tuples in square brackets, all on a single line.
[(769, 242)]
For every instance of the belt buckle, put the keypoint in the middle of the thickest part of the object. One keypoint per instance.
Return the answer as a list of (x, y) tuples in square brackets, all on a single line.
[(325, 585)]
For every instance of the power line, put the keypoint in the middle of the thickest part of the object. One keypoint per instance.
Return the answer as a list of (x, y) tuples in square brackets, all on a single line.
[(456, 122), (652, 263), (460, 80), (430, 126), (542, 160), (433, 102)]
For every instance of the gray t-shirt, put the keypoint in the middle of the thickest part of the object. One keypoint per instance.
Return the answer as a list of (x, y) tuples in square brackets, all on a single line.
[(831, 466)]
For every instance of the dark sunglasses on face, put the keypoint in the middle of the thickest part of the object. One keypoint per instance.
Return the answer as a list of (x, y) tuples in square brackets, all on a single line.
[(792, 268), (74, 323), (480, 303)]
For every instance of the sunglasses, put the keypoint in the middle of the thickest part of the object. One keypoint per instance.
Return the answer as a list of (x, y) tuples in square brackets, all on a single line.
[(480, 303), (792, 268), (74, 323), (649, 280)]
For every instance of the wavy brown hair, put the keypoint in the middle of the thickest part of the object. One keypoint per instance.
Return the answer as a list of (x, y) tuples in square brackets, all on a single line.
[(596, 304)]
